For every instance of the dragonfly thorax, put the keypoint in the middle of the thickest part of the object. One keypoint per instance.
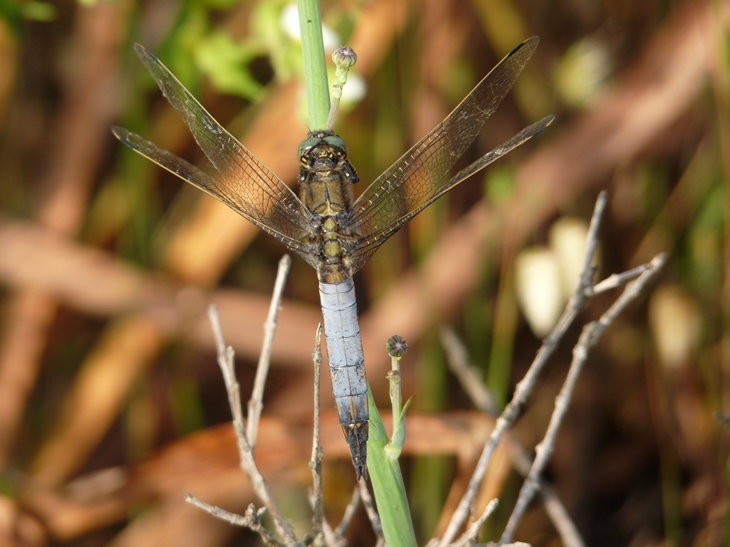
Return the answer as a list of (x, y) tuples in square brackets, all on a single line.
[(325, 180)]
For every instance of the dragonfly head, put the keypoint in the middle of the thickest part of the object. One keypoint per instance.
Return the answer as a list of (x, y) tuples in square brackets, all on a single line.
[(322, 147), (322, 151)]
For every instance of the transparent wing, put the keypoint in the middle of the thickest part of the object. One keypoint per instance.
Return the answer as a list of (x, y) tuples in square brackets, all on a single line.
[(244, 183), (421, 175), (369, 244), (205, 182)]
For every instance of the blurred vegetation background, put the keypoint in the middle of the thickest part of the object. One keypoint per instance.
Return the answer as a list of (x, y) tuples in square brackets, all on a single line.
[(111, 403)]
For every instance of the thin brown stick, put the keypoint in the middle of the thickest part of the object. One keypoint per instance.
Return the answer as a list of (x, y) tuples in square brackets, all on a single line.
[(591, 334), (369, 504), (255, 403), (349, 513), (479, 394), (251, 520), (526, 385), (245, 453), (616, 280), (315, 462), (470, 536)]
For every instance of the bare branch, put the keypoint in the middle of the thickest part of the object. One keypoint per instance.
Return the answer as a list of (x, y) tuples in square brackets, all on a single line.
[(349, 512), (526, 385), (369, 504), (616, 280), (589, 337), (336, 537), (245, 453), (469, 377), (225, 358), (482, 398), (470, 536), (315, 463), (251, 520), (255, 403)]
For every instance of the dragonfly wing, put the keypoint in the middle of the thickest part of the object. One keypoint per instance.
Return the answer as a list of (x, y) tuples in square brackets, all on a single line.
[(421, 174), (210, 185), (245, 184), (369, 244)]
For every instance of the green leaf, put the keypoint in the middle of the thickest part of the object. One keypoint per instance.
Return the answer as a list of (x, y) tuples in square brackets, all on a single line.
[(226, 63), (388, 487)]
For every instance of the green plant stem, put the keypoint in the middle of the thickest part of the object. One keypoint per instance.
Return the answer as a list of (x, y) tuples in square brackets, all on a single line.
[(315, 69)]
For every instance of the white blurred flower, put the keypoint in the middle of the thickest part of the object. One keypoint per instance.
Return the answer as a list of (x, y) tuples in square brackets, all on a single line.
[(676, 323), (546, 277), (567, 239), (290, 24), (537, 276), (582, 72)]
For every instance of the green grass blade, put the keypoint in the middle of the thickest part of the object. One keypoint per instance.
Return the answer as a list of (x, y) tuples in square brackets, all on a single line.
[(387, 481)]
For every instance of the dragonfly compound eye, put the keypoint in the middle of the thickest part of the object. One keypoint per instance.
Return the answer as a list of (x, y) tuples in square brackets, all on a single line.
[(337, 142), (305, 147)]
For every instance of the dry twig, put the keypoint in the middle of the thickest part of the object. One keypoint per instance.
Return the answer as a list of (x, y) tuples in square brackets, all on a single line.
[(589, 337), (526, 385), (349, 512), (245, 450), (255, 403), (479, 394), (251, 520), (315, 463), (523, 389), (470, 536), (369, 504)]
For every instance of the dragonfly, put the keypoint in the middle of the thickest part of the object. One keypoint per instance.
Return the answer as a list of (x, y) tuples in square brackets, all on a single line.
[(325, 224)]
